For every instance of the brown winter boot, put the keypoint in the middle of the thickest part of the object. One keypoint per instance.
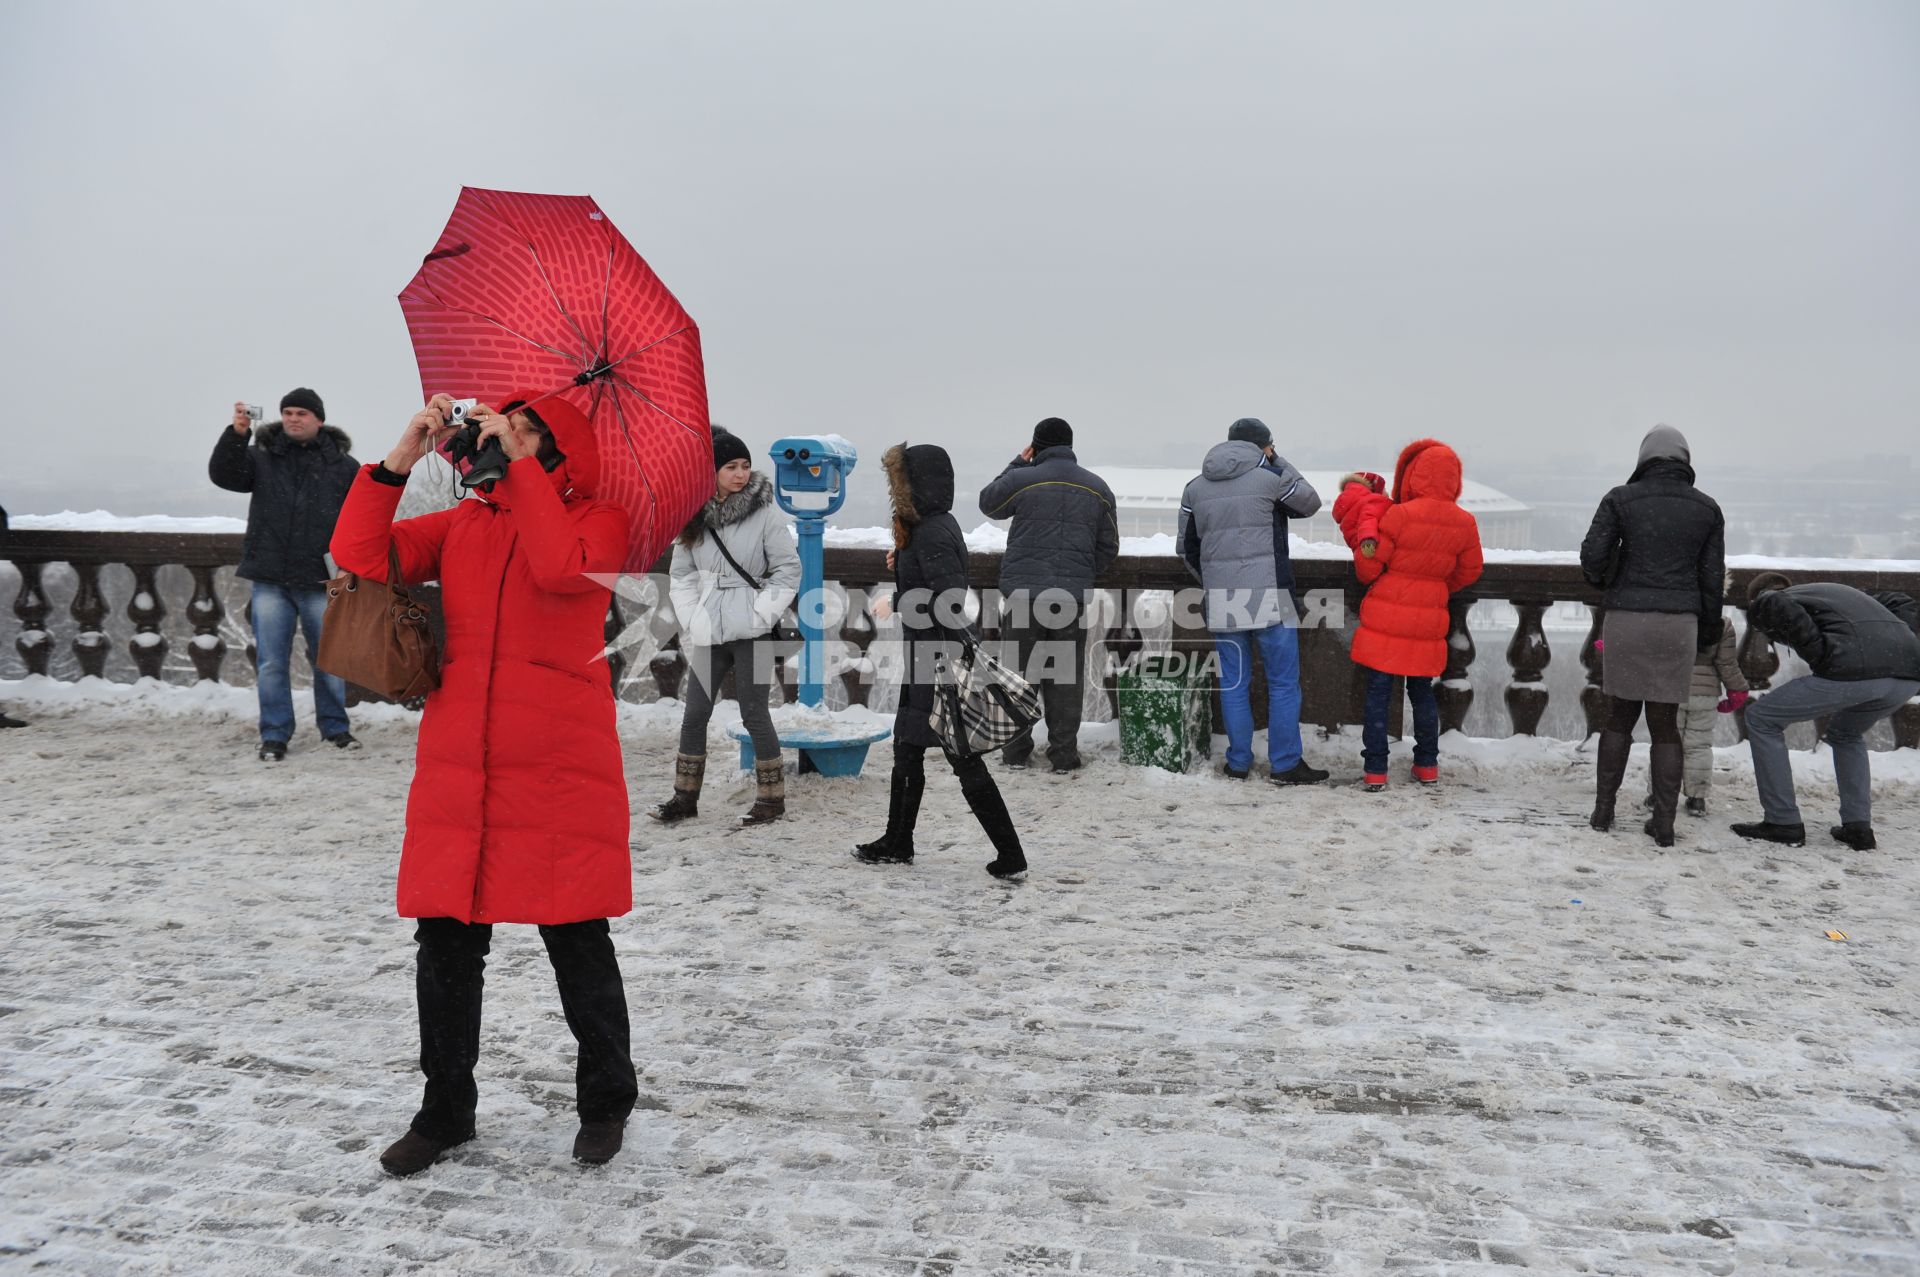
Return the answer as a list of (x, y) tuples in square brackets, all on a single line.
[(689, 770), (769, 793)]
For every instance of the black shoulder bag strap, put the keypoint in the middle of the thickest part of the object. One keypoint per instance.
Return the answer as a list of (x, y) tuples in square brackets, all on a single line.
[(721, 545)]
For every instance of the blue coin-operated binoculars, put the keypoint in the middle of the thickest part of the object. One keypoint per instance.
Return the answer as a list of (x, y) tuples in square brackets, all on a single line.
[(810, 483)]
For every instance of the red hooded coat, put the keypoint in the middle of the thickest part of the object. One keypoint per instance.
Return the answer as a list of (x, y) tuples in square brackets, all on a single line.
[(518, 811), (1429, 549)]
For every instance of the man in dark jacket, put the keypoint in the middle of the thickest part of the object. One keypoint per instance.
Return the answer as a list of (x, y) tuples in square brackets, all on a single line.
[(1063, 536), (298, 471), (1233, 538), (1865, 657)]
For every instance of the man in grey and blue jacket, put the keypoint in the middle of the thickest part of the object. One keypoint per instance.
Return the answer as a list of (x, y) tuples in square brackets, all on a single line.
[(1233, 538), (1063, 536)]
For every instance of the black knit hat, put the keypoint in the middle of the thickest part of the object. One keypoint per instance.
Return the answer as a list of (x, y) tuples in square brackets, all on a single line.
[(1052, 433), (728, 446), (1251, 430), (301, 397)]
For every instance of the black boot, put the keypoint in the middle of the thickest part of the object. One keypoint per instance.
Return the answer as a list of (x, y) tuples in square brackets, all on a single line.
[(1610, 768), (895, 847), (1857, 834), (1669, 765), (1794, 835), (990, 809)]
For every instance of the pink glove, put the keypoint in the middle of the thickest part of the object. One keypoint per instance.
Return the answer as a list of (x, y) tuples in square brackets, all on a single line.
[(1734, 701), (1599, 645)]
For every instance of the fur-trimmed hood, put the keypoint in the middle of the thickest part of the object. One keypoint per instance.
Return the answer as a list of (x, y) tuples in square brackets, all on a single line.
[(919, 481), (274, 435), (718, 513)]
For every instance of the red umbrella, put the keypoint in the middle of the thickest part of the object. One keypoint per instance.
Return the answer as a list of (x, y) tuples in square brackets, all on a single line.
[(541, 291)]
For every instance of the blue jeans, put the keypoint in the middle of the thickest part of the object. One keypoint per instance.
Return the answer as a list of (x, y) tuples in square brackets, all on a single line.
[(276, 609), (1426, 722), (1280, 655)]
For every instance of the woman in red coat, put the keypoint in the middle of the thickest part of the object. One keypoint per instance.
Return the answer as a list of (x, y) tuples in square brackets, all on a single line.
[(518, 811), (1425, 548)]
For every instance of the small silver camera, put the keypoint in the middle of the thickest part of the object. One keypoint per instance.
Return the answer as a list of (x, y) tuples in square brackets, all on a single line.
[(256, 413), (457, 415)]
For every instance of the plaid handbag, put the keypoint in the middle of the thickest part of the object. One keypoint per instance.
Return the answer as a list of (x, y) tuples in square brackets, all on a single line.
[(980, 705)]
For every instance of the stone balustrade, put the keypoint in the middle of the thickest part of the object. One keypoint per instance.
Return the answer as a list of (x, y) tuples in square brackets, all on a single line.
[(1136, 587)]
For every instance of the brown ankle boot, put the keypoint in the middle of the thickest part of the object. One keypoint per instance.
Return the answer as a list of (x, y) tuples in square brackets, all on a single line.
[(769, 794), (689, 770), (597, 1142), (414, 1152)]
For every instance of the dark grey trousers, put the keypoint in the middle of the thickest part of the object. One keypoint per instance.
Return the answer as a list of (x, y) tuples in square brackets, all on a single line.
[(1855, 704), (1055, 662), (707, 669)]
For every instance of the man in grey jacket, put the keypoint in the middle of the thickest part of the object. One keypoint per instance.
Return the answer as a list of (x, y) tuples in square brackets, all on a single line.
[(1063, 536), (1865, 659), (1233, 538)]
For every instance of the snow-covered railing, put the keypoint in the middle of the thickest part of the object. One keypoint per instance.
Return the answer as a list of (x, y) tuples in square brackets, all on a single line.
[(1134, 617)]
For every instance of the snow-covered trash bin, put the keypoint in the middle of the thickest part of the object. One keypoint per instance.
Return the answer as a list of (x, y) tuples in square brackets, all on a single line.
[(1166, 710)]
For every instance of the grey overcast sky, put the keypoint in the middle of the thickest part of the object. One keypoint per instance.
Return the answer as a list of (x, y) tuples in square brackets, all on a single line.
[(1516, 225)]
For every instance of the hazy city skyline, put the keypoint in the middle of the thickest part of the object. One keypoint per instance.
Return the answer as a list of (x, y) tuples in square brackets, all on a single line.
[(1531, 230)]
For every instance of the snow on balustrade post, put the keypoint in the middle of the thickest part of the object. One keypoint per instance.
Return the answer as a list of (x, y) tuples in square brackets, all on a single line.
[(1759, 662), (668, 666), (609, 631), (856, 636), (1529, 656), (148, 646), (33, 642), (205, 612), (89, 610), (1455, 692), (1906, 725), (1593, 697)]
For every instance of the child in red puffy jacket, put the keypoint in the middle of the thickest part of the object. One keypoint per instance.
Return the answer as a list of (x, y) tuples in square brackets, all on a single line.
[(1414, 549)]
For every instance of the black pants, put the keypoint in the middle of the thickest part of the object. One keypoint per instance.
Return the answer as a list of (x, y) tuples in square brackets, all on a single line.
[(450, 961), (911, 760), (1058, 675)]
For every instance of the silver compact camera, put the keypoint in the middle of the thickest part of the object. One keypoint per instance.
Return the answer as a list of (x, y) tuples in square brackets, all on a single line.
[(256, 414), (457, 414)]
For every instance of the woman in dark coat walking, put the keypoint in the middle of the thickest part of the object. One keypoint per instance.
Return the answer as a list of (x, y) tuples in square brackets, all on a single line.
[(1658, 548), (929, 562)]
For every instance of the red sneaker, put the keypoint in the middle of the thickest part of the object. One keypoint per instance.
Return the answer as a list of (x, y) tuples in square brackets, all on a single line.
[(1374, 782), (1427, 775)]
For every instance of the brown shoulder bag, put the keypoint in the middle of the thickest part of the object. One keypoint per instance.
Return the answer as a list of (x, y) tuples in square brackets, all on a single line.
[(376, 635)]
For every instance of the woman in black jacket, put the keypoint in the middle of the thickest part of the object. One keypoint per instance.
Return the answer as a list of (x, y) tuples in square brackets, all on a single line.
[(929, 562), (1657, 547)]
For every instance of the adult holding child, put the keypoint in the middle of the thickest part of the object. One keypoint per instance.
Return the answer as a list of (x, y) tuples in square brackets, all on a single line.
[(1414, 548)]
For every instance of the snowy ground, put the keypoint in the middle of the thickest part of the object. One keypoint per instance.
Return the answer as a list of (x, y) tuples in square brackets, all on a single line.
[(1222, 1030)]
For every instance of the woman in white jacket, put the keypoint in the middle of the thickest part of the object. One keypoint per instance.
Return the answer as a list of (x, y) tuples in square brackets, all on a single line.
[(725, 610)]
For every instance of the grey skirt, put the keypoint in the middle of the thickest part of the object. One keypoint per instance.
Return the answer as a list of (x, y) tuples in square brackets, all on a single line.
[(1648, 656)]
